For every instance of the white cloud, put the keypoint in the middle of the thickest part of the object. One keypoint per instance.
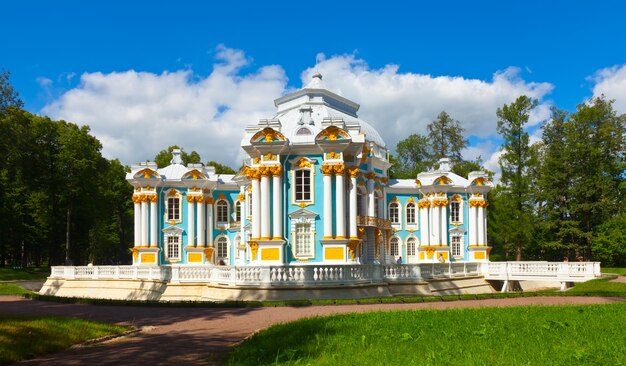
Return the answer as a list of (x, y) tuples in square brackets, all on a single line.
[(611, 82), (136, 114)]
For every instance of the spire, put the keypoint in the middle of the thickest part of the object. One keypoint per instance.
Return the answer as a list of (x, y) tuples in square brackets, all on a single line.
[(176, 157), (316, 82)]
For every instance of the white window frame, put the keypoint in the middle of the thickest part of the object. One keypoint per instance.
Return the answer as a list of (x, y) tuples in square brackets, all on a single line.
[(249, 205), (377, 203), (308, 237), (293, 174), (173, 195), (394, 206), (237, 244), (396, 242), (221, 224), (454, 201), (302, 185), (218, 241), (408, 246), (456, 246), (413, 224), (238, 211), (361, 202), (173, 241)]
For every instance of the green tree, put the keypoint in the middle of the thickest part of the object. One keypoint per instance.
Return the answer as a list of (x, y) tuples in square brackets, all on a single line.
[(515, 163), (8, 96), (221, 168), (446, 138), (164, 157), (608, 243), (413, 156)]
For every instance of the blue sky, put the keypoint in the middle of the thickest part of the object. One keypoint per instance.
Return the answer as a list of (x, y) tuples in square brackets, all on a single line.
[(561, 51)]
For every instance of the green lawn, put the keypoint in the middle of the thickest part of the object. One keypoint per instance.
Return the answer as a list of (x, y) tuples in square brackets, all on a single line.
[(619, 271), (10, 274), (488, 336), (12, 289), (599, 287), (26, 337)]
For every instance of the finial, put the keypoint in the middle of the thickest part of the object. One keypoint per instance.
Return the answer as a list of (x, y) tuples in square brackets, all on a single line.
[(317, 75)]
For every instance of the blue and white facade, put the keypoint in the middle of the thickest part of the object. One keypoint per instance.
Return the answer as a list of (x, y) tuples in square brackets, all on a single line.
[(314, 190)]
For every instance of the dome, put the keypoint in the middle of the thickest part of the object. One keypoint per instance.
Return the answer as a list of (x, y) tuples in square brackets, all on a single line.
[(306, 108)]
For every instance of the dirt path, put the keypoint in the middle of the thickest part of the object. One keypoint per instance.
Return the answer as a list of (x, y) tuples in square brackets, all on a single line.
[(195, 336)]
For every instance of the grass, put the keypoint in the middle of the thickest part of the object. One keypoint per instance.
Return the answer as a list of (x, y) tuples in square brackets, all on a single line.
[(599, 287), (486, 336), (12, 289), (27, 337), (618, 271), (10, 274)]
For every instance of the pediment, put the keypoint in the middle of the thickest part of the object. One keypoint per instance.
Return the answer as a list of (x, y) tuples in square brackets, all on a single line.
[(302, 213)]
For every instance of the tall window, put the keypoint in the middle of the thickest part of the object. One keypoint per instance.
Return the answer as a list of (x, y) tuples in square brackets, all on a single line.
[(173, 248), (410, 247), (237, 244), (394, 246), (173, 209), (455, 211), (249, 204), (456, 245), (303, 240), (410, 213), (376, 205), (221, 210), (394, 212), (238, 211), (360, 203), (222, 249), (303, 185)]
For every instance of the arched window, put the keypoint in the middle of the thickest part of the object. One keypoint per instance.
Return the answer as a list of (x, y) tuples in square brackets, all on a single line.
[(249, 204), (360, 202), (410, 214), (303, 131), (237, 245), (394, 212), (238, 211), (410, 247), (222, 250), (221, 213), (394, 247)]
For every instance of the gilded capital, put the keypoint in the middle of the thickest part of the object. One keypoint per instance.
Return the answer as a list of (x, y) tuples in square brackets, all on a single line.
[(353, 171), (145, 198), (371, 175), (276, 170), (264, 171), (137, 198), (327, 169), (200, 199), (154, 198), (241, 197), (191, 199), (339, 168), (209, 200)]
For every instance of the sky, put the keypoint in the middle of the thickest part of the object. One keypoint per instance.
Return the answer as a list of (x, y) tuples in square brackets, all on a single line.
[(148, 74)]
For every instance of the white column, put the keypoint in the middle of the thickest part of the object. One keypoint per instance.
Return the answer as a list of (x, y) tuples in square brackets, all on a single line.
[(371, 206), (424, 226), (137, 205), (472, 225), (353, 205), (328, 207), (481, 226), (277, 203), (144, 222), (265, 206), (444, 225), (435, 227), (191, 221), (484, 226), (200, 206), (209, 220), (340, 220), (256, 209), (153, 222)]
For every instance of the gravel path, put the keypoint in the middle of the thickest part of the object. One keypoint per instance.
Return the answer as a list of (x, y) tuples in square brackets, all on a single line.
[(200, 336)]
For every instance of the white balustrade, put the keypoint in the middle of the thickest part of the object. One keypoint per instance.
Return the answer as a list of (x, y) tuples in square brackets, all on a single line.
[(336, 274)]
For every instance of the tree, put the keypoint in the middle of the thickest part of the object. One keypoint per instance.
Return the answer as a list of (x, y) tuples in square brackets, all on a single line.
[(413, 157), (8, 96), (221, 168), (608, 243), (446, 138), (164, 157), (515, 163)]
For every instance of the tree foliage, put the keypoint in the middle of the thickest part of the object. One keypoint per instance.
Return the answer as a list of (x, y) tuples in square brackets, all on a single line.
[(515, 163), (8, 96), (446, 139)]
